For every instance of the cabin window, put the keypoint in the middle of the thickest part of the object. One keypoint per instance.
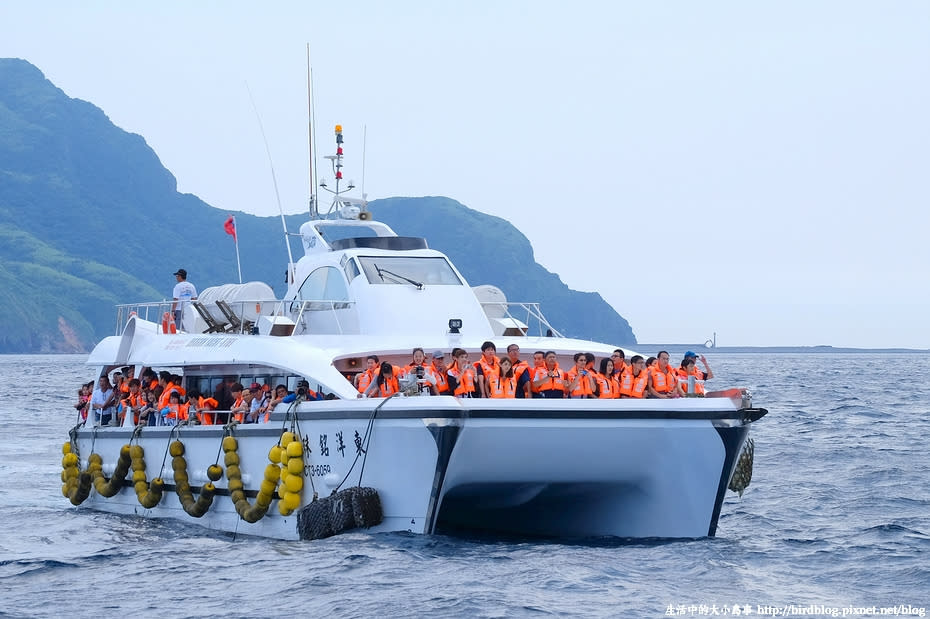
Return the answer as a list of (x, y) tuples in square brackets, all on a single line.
[(409, 271), (324, 284), (351, 269)]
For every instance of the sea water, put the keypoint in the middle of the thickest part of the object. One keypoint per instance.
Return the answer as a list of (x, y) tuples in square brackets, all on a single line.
[(836, 522)]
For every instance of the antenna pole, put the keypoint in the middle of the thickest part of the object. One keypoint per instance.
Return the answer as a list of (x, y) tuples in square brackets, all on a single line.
[(311, 141), (274, 181), (364, 149)]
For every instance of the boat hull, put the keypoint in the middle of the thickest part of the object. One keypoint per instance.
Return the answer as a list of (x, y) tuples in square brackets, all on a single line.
[(561, 469)]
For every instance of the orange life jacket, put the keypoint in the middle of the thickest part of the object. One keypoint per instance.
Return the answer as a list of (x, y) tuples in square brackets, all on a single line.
[(130, 401), (364, 380), (634, 386), (178, 412), (555, 383), (609, 386), (389, 387), (662, 382), (683, 381), (466, 380), (502, 387), (240, 417), (442, 380), (583, 390)]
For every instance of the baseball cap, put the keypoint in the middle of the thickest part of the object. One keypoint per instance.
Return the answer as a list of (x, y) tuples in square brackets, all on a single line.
[(180, 272), (691, 354), (438, 355), (255, 387)]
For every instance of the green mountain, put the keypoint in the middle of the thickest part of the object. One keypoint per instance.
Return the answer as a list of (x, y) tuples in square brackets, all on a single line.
[(90, 218)]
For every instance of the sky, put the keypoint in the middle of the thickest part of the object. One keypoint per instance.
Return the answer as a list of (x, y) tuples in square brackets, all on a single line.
[(755, 170)]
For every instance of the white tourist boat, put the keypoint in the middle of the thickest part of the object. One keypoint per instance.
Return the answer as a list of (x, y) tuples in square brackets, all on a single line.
[(561, 468)]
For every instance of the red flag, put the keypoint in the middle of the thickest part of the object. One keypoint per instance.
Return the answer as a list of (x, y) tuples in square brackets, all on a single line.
[(230, 226)]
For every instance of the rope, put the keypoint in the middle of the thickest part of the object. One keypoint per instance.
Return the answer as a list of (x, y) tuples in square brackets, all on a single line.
[(167, 447), (366, 440)]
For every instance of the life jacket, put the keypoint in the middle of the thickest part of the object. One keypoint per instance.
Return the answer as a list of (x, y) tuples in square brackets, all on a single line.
[(487, 368), (683, 381), (662, 382), (583, 390), (609, 386), (466, 380), (634, 386), (534, 392), (502, 387), (555, 383), (518, 369), (240, 417), (411, 370), (442, 381), (388, 387), (178, 413), (166, 394), (364, 380), (132, 401)]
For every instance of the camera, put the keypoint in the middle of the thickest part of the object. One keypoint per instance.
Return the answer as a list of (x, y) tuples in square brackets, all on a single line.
[(419, 371), (302, 391)]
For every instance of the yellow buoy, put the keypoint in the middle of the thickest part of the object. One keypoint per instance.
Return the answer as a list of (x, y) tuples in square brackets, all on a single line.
[(66, 448), (291, 500), (230, 444), (295, 466), (214, 472), (275, 454), (287, 438), (272, 473), (231, 458), (176, 449), (294, 483), (295, 449)]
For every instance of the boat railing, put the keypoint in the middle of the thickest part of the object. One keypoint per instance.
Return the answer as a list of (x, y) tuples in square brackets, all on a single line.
[(529, 314), (219, 316), (303, 310)]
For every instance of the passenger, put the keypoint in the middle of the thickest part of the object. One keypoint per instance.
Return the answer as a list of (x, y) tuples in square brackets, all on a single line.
[(117, 382), (205, 407), (255, 405), (580, 381), (84, 394), (707, 374), (148, 415), (280, 392), (419, 370), (608, 385), (363, 379), (240, 407), (304, 391), (165, 382), (149, 379), (549, 381), (461, 375), (175, 412), (663, 379), (184, 292), (620, 364), (503, 383), (134, 401), (103, 402), (539, 361), (127, 372), (385, 383), (686, 371), (650, 362), (633, 382), (484, 366), (223, 395), (521, 371), (440, 371)]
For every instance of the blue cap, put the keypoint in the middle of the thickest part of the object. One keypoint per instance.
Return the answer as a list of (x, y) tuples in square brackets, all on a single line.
[(691, 354)]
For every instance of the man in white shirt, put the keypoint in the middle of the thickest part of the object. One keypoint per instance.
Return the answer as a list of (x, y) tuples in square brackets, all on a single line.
[(103, 402), (184, 293)]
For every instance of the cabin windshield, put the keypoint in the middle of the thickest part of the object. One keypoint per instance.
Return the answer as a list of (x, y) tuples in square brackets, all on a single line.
[(335, 232), (425, 270)]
